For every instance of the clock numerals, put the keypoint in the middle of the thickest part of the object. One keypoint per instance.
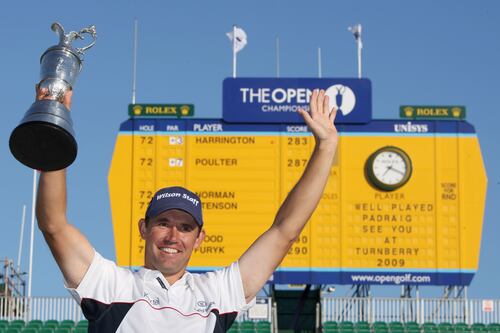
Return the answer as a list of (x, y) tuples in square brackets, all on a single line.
[(388, 168)]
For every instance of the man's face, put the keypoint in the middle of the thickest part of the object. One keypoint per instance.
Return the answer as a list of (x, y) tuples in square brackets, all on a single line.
[(170, 239)]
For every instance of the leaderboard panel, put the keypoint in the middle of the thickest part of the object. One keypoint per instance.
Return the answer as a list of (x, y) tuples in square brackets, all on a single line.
[(235, 171), (396, 209)]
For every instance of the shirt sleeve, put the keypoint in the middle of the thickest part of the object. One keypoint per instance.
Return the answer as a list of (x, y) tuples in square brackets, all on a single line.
[(102, 282), (232, 295)]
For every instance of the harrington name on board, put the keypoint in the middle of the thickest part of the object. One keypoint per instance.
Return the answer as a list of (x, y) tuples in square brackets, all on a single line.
[(275, 100)]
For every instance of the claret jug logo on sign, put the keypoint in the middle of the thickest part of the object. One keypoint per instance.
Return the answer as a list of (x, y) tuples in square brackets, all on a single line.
[(341, 97)]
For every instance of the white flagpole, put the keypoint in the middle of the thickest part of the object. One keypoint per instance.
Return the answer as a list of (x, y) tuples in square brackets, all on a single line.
[(234, 51), (359, 57), (33, 199), (360, 46), (134, 65), (319, 63), (277, 56), (21, 237), (356, 30)]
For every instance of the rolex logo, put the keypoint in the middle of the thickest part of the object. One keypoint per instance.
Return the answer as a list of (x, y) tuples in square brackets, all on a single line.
[(409, 111), (137, 110), (184, 110)]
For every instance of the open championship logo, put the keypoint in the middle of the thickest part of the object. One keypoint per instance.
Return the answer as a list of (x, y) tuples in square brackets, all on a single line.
[(342, 98), (270, 100)]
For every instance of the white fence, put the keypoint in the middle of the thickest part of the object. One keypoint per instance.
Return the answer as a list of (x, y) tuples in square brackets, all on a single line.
[(421, 310), (62, 308), (338, 309), (41, 308)]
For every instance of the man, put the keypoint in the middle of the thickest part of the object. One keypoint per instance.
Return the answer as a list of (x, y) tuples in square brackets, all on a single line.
[(163, 296)]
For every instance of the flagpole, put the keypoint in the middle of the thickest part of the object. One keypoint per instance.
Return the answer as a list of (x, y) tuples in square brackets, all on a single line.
[(33, 201), (21, 237), (319, 63), (277, 56), (234, 51), (356, 31), (359, 56), (134, 65)]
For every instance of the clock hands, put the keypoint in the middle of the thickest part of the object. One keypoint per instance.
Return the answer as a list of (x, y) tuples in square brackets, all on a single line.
[(398, 171), (391, 168), (387, 170)]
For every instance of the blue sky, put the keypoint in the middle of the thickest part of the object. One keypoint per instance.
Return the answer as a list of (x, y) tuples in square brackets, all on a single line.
[(425, 52)]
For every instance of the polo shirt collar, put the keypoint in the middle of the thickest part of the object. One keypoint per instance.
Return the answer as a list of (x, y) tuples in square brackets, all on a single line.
[(152, 274)]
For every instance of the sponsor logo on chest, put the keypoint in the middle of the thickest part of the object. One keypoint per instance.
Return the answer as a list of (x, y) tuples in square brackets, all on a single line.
[(203, 306)]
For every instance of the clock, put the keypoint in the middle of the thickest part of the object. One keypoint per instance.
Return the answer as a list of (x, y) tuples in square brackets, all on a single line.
[(388, 168)]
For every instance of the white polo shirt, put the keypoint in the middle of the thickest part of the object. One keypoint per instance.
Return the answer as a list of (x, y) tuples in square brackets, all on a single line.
[(115, 299)]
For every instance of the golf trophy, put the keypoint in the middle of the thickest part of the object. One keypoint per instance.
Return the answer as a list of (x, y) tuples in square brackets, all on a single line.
[(44, 139)]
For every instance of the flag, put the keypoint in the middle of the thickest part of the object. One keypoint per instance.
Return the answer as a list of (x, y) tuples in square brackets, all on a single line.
[(240, 38), (356, 31)]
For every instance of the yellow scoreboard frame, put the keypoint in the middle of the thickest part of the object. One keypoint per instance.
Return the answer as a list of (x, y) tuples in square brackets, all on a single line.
[(422, 225)]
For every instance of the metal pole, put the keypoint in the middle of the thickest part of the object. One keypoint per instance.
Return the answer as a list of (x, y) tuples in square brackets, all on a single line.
[(21, 239), (6, 277), (275, 318), (319, 62), (277, 56), (234, 51), (32, 233), (318, 318), (134, 65), (359, 57)]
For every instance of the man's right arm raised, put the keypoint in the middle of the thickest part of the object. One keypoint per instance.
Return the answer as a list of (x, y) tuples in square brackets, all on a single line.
[(71, 250)]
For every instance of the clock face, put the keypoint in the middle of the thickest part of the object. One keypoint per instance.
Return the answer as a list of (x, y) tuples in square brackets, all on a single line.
[(388, 168)]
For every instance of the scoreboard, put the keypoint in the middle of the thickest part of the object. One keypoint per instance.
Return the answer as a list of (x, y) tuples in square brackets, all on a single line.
[(424, 230)]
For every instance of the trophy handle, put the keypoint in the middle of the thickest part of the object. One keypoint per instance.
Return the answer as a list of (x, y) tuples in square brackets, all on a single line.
[(66, 39), (92, 32)]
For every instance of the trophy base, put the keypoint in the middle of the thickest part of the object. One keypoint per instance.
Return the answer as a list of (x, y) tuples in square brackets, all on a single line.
[(45, 139)]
